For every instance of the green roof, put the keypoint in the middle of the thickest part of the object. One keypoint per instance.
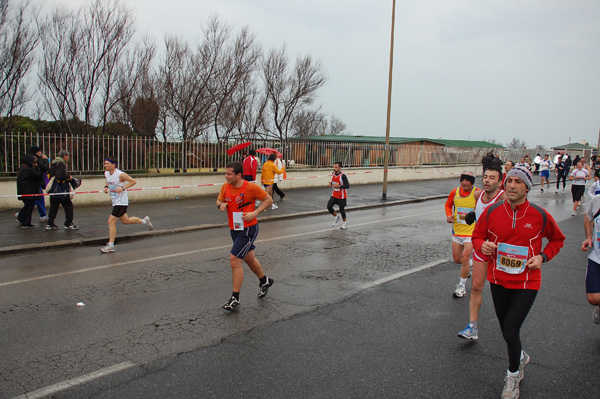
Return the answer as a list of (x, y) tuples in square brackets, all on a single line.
[(365, 139), (469, 143), (573, 146), (400, 140)]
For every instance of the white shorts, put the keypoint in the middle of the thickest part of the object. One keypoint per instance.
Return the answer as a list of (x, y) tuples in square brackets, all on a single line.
[(461, 240)]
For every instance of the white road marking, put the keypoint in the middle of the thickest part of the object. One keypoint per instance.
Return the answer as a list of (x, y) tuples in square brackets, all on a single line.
[(155, 258), (404, 273), (84, 379)]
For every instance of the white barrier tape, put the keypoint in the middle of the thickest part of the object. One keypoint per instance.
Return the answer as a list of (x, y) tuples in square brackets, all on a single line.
[(219, 184)]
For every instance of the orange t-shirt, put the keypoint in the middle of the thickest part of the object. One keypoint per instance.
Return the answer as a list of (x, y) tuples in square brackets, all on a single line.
[(241, 200)]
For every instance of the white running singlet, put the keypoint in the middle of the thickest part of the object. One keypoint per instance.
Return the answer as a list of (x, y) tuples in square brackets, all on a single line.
[(481, 206), (113, 182)]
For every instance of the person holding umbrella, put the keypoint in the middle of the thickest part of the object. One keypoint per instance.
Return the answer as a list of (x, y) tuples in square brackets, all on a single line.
[(267, 176)]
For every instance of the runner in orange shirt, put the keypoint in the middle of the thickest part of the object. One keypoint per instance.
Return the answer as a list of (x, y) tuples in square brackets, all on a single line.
[(237, 198)]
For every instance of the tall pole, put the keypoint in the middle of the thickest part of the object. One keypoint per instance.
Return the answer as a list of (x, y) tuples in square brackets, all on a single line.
[(386, 161)]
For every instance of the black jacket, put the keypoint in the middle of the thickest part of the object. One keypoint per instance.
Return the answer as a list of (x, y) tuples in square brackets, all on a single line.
[(29, 181)]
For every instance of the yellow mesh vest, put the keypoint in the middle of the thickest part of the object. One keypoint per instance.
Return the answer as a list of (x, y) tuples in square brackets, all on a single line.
[(462, 206)]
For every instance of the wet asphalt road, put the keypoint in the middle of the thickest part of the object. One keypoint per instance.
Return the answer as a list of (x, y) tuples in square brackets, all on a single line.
[(365, 312)]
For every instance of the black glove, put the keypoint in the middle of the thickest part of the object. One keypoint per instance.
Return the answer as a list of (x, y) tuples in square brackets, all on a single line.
[(470, 218)]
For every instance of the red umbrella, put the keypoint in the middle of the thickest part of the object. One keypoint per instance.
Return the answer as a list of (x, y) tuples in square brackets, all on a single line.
[(269, 151), (238, 147)]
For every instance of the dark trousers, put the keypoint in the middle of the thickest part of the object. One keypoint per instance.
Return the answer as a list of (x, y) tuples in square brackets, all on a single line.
[(24, 215), (512, 307), (562, 176), (278, 190), (67, 206)]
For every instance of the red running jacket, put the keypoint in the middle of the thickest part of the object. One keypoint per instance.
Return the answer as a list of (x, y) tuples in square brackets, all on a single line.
[(518, 233)]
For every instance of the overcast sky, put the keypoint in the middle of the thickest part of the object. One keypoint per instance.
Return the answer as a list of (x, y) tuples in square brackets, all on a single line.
[(463, 69)]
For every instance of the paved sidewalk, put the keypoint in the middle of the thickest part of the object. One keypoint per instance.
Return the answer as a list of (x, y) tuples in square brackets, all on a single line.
[(186, 214)]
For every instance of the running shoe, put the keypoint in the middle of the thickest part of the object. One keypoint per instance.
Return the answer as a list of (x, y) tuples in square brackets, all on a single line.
[(336, 220), (511, 387), (264, 288), (17, 217), (524, 362), (51, 226), (281, 197), (542, 189), (470, 333), (344, 226), (232, 304), (27, 226), (148, 223), (72, 227), (108, 248), (44, 219), (274, 207), (460, 291), (596, 315)]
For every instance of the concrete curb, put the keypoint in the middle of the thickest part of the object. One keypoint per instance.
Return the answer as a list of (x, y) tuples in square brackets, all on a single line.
[(154, 233)]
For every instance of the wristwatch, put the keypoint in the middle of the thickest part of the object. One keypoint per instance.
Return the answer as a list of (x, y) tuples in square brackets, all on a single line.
[(544, 257)]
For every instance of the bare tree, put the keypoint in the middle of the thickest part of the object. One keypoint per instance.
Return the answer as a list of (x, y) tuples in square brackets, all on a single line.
[(188, 77), (336, 126), (86, 60), (18, 40), (309, 122), (289, 92), (134, 80), (516, 143), (108, 30), (58, 69), (236, 61)]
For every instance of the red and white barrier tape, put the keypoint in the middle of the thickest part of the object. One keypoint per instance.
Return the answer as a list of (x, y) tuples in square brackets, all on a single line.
[(220, 184)]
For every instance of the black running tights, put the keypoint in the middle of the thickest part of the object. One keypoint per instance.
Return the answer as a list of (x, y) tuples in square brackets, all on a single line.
[(512, 307), (340, 202), (564, 179)]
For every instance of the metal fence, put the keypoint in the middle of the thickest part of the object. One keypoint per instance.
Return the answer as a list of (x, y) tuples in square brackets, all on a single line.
[(138, 154)]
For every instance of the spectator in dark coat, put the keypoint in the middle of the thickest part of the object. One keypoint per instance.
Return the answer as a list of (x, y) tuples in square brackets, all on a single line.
[(29, 179), (44, 166), (486, 161), (497, 162), (61, 184)]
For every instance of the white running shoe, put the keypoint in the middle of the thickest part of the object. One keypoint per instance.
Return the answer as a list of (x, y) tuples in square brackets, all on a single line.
[(344, 226), (108, 248), (336, 220), (460, 291), (596, 315), (511, 387), (148, 223), (274, 206), (470, 333), (524, 362)]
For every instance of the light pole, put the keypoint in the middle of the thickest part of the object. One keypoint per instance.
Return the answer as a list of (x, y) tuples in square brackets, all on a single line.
[(386, 154)]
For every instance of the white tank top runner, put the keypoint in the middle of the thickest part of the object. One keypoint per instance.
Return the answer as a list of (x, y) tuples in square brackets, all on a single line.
[(113, 182), (481, 206)]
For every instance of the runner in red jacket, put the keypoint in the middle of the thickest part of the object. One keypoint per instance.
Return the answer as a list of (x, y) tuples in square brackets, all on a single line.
[(509, 236)]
